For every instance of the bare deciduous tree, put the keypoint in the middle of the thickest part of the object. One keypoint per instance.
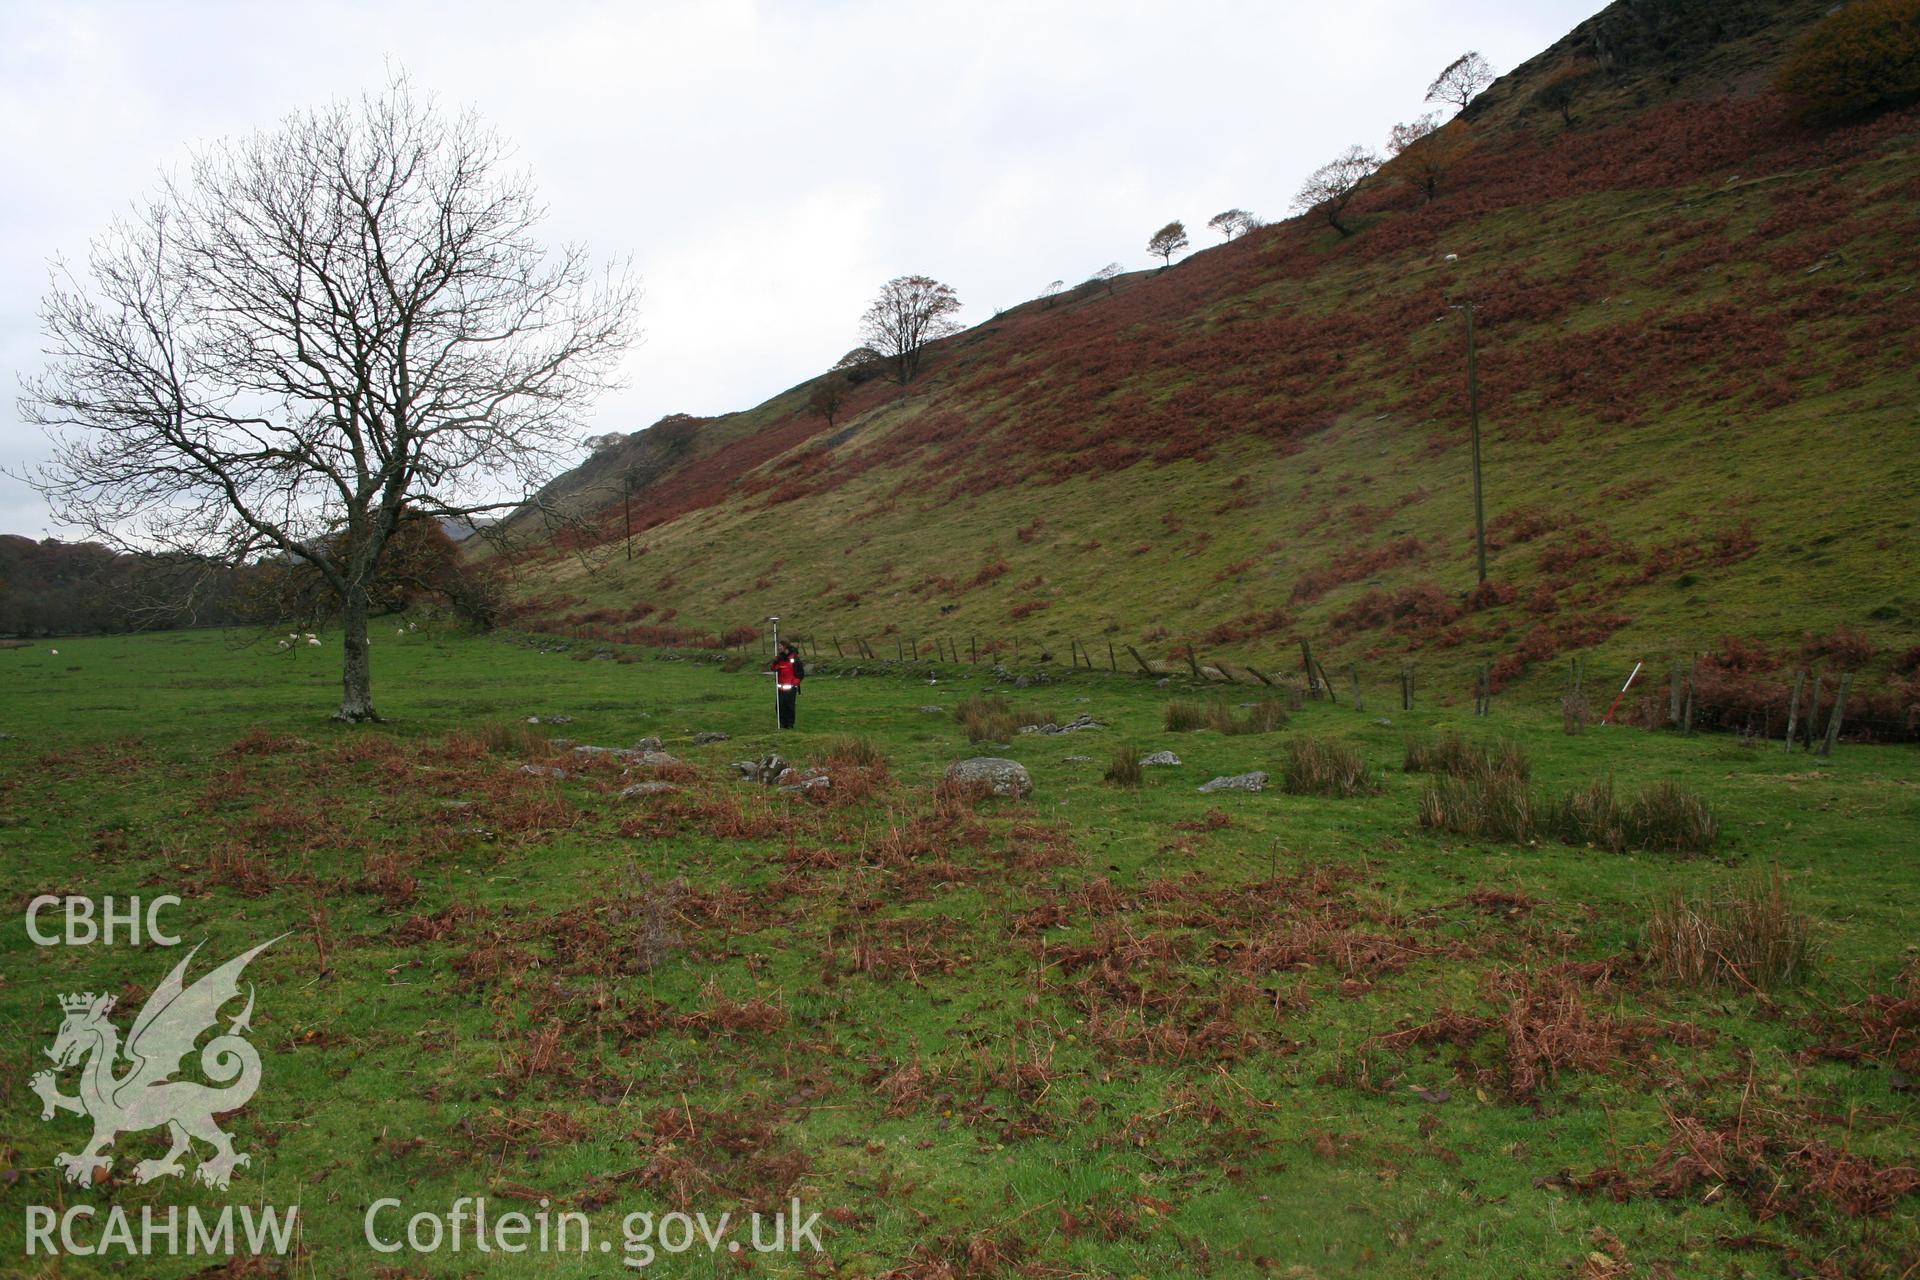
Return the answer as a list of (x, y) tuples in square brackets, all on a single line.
[(1461, 81), (1233, 222), (318, 331), (910, 312), (1104, 276), (1048, 294), (1331, 187), (1168, 241), (1402, 136)]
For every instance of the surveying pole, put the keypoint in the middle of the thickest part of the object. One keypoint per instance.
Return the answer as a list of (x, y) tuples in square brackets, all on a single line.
[(775, 620)]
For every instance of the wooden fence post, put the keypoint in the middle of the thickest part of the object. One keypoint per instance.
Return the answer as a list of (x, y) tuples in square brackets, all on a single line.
[(1113, 659), (1833, 717), (1261, 676), (1359, 704), (1686, 715), (1673, 693), (1793, 708), (1813, 711), (1142, 661)]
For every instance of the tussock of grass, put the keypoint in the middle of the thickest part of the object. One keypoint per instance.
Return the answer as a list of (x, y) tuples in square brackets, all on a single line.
[(1318, 767), (1185, 716), (1486, 806), (1500, 805), (989, 718), (852, 749), (1748, 935), (512, 738), (1452, 754), (1126, 770)]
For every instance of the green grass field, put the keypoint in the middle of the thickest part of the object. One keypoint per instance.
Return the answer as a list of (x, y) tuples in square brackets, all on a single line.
[(1101, 1032)]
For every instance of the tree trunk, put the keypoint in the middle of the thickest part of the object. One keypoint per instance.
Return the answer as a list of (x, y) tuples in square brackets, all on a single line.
[(356, 680)]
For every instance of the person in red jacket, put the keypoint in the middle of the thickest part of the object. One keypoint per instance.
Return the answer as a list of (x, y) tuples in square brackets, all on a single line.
[(789, 669)]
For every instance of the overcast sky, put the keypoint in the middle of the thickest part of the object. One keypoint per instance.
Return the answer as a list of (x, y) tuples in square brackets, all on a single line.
[(766, 166)]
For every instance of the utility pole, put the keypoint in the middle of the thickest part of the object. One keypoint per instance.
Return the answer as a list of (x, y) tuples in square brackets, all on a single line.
[(1473, 410)]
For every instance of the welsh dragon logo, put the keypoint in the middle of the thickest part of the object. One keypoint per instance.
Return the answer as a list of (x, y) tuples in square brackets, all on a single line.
[(144, 1095)]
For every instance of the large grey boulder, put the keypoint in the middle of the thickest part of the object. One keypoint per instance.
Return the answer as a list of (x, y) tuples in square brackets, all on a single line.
[(702, 739), (639, 789), (1255, 781), (1160, 757), (1003, 777)]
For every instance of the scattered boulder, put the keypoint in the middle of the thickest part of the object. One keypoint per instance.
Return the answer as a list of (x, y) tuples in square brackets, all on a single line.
[(767, 769), (803, 780), (1160, 757), (658, 759), (702, 739), (584, 749), (1255, 781), (1164, 682), (933, 711), (646, 789), (562, 744), (1077, 759), (549, 719), (1004, 777), (1075, 725), (1021, 682), (649, 743), (545, 771)]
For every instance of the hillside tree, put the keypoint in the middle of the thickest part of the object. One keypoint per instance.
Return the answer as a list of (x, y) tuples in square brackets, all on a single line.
[(1560, 90), (1329, 189), (910, 312), (1461, 80), (1167, 241), (1425, 151), (315, 334), (1404, 135), (829, 395), (1105, 276), (1232, 222)]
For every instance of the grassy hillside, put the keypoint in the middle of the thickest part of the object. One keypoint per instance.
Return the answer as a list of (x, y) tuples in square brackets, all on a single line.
[(1697, 330)]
